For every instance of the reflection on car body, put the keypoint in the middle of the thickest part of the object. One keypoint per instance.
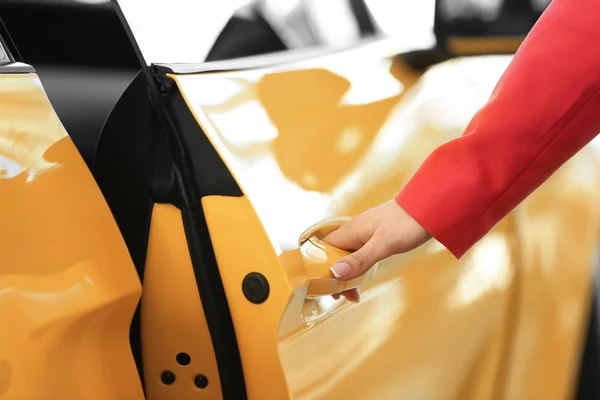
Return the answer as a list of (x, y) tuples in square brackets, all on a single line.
[(215, 174)]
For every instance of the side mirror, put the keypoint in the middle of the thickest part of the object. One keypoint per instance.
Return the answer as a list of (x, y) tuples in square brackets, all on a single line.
[(472, 27)]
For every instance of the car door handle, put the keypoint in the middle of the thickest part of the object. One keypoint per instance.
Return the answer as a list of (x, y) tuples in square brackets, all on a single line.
[(318, 257)]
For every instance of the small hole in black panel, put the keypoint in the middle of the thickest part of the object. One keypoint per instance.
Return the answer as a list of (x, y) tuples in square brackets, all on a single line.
[(167, 377), (201, 381), (183, 359)]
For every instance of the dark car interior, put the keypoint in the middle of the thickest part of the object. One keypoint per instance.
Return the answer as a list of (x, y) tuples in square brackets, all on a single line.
[(83, 58)]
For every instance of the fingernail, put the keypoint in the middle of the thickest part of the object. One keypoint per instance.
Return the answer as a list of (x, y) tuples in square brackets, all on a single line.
[(340, 270)]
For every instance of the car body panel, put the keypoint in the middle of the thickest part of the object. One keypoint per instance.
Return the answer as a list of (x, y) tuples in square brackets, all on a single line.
[(321, 138), (172, 316), (68, 288), (412, 300), (558, 230), (336, 376), (241, 246)]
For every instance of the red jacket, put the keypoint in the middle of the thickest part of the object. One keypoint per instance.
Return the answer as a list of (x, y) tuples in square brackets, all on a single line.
[(545, 108)]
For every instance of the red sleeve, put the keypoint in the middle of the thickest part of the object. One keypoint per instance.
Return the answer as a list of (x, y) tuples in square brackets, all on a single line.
[(544, 109)]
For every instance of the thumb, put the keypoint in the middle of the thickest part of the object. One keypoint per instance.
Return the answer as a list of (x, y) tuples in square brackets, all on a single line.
[(359, 262)]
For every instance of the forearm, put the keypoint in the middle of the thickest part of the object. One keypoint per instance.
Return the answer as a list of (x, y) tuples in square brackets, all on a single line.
[(544, 109)]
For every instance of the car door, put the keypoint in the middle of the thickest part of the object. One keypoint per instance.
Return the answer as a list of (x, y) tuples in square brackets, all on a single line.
[(250, 162), (68, 287), (330, 137)]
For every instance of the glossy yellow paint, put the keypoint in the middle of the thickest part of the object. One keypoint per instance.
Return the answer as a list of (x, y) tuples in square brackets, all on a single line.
[(68, 288), (172, 317), (233, 224), (329, 351), (333, 136), (559, 231)]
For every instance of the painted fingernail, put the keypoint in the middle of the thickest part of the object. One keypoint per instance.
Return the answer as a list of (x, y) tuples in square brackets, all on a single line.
[(340, 270)]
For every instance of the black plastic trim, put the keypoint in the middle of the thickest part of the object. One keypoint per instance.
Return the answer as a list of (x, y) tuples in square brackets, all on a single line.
[(7, 45), (152, 150), (60, 3), (12, 61), (194, 156), (199, 171), (136, 48), (71, 34), (256, 288), (122, 168), (214, 303), (147, 69)]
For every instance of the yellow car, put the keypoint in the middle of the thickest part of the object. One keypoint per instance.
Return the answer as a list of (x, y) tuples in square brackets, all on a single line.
[(222, 179)]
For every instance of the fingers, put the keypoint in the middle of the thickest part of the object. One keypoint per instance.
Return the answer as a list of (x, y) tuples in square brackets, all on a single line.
[(359, 262), (347, 237)]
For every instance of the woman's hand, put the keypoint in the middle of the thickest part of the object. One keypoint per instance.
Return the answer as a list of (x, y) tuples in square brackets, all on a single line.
[(373, 236)]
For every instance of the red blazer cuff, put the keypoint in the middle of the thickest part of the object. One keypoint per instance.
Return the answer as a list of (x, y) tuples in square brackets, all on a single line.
[(422, 208)]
